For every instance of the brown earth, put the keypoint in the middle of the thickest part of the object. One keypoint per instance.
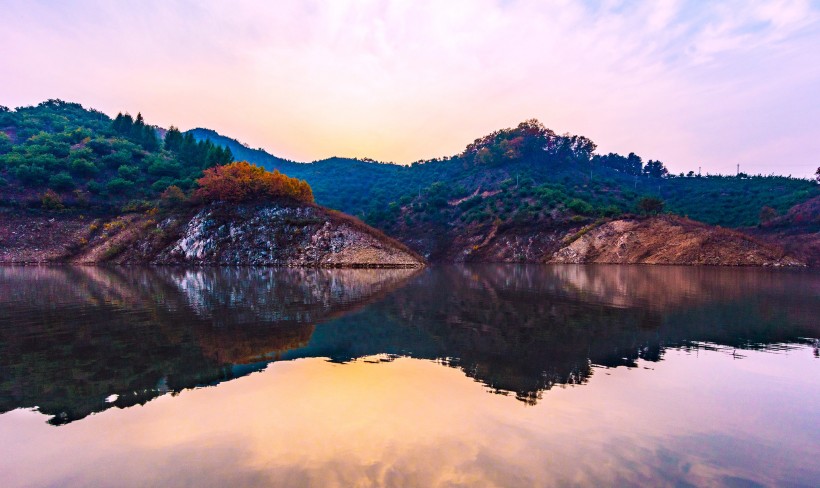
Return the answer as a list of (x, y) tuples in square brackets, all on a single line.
[(273, 234), (668, 240), (31, 237), (309, 236), (798, 231)]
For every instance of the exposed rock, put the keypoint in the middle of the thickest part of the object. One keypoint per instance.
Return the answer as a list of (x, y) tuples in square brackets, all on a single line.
[(668, 240), (296, 235), (270, 235)]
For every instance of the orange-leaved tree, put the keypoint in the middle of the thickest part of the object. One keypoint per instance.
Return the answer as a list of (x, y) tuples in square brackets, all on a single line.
[(245, 182)]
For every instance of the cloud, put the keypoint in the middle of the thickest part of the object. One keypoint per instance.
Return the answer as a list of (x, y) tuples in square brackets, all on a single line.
[(688, 82)]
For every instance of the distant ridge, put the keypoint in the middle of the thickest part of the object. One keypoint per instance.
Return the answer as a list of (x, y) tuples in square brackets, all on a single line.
[(242, 152)]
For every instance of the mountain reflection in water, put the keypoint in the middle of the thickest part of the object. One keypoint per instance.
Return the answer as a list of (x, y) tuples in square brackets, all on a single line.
[(78, 340)]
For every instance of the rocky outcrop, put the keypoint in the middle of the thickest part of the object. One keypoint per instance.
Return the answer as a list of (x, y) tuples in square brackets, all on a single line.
[(668, 240), (274, 234), (286, 234), (300, 235)]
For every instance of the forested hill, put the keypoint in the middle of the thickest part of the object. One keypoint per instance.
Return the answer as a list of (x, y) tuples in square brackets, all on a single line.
[(58, 154), (526, 175), (242, 152)]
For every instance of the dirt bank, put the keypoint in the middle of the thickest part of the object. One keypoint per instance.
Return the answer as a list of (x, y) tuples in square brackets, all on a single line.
[(668, 240)]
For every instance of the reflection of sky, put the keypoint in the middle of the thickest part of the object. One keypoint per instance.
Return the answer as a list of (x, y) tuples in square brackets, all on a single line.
[(693, 83), (702, 417)]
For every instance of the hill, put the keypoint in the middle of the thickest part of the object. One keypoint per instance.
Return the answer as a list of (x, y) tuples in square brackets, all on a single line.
[(241, 151), (533, 185), (510, 195), (798, 231), (59, 154), (283, 233)]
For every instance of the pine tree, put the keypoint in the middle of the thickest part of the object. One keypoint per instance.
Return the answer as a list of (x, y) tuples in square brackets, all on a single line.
[(173, 139)]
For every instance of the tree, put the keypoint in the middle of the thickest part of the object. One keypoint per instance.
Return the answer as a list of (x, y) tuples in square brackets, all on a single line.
[(650, 205), (634, 164), (122, 124), (245, 182), (5, 143), (120, 186), (655, 169), (173, 139), (61, 181)]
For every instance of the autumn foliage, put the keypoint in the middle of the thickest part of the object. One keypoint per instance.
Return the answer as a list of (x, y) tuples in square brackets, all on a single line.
[(245, 182)]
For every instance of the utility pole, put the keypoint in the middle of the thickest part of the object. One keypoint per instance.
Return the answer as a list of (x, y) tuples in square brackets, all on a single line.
[(738, 170)]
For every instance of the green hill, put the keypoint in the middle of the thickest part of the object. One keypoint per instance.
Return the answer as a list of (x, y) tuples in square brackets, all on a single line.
[(523, 176), (60, 154), (526, 174)]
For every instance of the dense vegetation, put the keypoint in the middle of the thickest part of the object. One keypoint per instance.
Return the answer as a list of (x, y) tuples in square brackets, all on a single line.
[(59, 153), (243, 182), (529, 174)]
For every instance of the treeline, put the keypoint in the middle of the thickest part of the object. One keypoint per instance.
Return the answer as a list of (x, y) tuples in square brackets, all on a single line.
[(528, 175), (529, 140), (136, 131), (631, 165)]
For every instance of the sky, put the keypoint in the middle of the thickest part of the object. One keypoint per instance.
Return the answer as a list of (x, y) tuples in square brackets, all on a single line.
[(692, 83)]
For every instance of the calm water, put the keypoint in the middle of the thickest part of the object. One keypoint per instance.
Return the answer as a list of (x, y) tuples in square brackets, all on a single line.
[(479, 376)]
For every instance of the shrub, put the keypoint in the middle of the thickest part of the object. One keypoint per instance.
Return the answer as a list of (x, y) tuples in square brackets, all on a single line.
[(114, 226), (650, 205), (31, 175), (61, 181), (245, 182), (127, 172), (51, 200), (94, 187), (172, 196), (580, 207), (83, 167), (120, 186), (610, 211)]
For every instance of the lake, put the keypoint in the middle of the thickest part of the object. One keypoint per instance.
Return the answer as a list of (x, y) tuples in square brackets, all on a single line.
[(494, 375)]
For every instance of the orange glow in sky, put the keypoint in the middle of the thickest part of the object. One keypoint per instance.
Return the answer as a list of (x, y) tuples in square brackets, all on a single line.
[(710, 84)]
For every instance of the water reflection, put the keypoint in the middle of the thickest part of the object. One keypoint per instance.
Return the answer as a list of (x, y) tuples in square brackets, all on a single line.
[(77, 340), (74, 341)]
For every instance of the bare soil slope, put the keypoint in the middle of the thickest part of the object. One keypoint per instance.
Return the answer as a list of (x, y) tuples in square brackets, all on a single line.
[(798, 231), (669, 240)]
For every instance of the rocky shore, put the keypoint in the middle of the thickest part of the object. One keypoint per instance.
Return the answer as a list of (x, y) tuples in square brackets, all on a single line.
[(288, 234), (271, 234)]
